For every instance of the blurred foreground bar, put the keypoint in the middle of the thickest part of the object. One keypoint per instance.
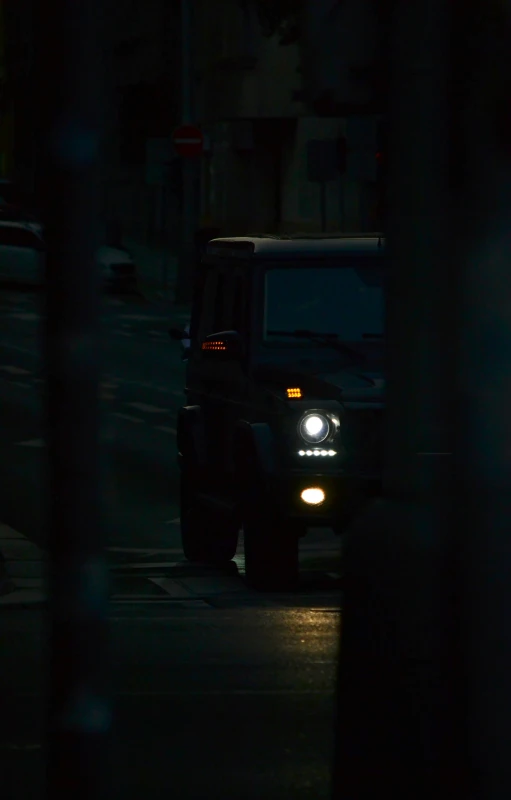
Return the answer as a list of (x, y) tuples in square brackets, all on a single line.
[(70, 90)]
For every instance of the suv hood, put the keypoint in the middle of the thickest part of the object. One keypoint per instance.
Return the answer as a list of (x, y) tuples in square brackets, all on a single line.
[(350, 384)]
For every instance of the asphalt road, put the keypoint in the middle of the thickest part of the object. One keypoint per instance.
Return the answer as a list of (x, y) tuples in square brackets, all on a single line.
[(219, 692)]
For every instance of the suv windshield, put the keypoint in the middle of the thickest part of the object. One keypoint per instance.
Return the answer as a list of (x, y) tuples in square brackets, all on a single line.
[(345, 301)]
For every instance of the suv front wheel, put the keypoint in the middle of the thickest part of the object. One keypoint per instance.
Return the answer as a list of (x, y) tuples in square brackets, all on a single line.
[(206, 536)]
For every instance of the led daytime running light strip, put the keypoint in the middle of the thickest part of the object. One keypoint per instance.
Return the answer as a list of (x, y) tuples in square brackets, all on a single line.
[(317, 453)]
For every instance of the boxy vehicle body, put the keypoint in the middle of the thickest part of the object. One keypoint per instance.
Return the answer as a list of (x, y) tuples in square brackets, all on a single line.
[(282, 425)]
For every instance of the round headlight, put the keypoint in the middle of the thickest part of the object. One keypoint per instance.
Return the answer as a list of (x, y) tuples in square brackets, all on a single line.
[(314, 428)]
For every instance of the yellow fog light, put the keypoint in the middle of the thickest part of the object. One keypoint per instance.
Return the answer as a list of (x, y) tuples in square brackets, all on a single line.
[(313, 496)]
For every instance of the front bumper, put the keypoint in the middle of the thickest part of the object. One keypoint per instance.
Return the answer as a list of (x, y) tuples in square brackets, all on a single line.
[(343, 495)]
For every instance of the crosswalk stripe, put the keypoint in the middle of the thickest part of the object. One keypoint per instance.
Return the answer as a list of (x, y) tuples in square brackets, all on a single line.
[(149, 409), (14, 370), (21, 385), (128, 417), (6, 532), (173, 588)]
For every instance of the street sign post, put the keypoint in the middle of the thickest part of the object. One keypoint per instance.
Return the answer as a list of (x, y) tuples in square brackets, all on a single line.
[(158, 155), (323, 165), (188, 141)]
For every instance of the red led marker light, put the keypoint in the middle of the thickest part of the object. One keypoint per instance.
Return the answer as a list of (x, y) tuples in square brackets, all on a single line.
[(214, 346)]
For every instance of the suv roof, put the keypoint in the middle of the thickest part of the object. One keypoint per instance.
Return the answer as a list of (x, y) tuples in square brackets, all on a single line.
[(295, 245)]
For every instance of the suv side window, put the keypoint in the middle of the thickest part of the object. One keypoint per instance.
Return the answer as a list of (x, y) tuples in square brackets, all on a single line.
[(221, 316), (207, 310), (224, 302), (217, 304), (239, 304)]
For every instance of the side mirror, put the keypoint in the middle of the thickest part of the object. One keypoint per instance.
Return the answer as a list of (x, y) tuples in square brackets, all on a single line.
[(224, 345), (177, 334)]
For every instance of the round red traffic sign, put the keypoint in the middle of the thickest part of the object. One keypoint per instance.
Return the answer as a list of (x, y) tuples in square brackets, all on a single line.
[(188, 141)]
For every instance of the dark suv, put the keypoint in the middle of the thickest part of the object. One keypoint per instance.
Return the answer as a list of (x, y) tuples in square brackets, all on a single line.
[(283, 422)]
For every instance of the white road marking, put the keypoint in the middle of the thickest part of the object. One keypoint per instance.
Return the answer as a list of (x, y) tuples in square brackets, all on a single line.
[(6, 532), (173, 588), (12, 746), (146, 565), (143, 318), (144, 384), (155, 600), (19, 552), (238, 692), (163, 428), (122, 333), (434, 454), (191, 605), (22, 385), (178, 393), (148, 408), (213, 586), (25, 596), (150, 552), (138, 598), (128, 417), (18, 349), (205, 692), (21, 549), (15, 370), (32, 443), (28, 583), (25, 317), (175, 521)]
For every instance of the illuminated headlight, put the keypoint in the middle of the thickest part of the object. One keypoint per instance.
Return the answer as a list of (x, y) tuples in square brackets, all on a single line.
[(315, 427)]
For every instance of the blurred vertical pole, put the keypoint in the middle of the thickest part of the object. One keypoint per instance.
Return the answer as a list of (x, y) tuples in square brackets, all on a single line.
[(482, 182), (392, 724), (187, 254), (69, 94)]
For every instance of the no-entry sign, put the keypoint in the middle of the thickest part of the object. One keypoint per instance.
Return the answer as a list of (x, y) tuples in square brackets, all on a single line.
[(188, 141)]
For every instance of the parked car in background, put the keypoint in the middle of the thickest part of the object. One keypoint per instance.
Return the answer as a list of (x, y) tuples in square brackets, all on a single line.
[(22, 256), (14, 213), (118, 269), (22, 253), (183, 336)]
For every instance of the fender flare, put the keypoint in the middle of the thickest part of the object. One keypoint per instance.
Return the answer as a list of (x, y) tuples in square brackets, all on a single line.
[(190, 436), (255, 453)]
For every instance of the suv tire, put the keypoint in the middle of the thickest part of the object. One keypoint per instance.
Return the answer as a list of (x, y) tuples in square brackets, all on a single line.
[(206, 536), (271, 551)]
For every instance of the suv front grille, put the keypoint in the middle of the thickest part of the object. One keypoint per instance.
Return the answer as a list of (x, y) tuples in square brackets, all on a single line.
[(362, 440)]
